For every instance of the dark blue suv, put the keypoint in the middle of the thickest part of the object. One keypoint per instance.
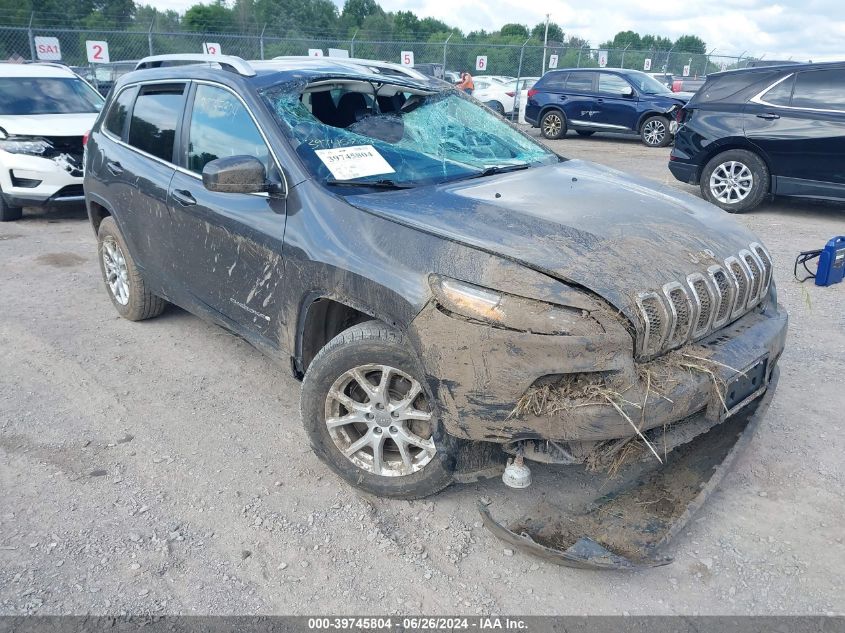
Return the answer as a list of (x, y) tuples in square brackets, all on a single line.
[(603, 100)]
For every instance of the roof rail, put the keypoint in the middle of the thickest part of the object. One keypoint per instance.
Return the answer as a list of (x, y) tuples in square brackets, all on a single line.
[(228, 62)]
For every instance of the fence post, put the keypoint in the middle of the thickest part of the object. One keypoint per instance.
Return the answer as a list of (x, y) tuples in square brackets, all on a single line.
[(445, 44), (352, 43), (150, 33), (31, 38), (261, 41), (623, 54), (580, 48), (518, 95)]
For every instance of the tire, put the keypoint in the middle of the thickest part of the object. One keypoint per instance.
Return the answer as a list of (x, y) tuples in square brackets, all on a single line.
[(496, 107), (736, 180), (553, 125), (585, 132), (127, 291), (366, 348), (7, 213), (654, 132)]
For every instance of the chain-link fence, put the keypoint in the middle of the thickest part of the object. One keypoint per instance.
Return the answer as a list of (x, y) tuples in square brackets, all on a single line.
[(528, 60)]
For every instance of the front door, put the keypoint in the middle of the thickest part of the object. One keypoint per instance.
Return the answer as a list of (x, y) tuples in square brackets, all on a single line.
[(617, 103), (228, 246)]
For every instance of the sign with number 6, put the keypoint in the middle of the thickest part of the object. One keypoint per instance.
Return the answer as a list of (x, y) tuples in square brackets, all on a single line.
[(211, 48), (481, 62), (647, 63), (98, 52), (407, 58)]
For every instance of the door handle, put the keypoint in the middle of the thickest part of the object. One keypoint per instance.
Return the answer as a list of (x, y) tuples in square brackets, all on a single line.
[(599, 100), (183, 197), (562, 97), (769, 116), (114, 168)]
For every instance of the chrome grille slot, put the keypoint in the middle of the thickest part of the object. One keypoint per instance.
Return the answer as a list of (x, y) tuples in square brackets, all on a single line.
[(655, 320), (682, 313), (704, 301), (756, 273), (741, 282), (726, 290), (766, 261)]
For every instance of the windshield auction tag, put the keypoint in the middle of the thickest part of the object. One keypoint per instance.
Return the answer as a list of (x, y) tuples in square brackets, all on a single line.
[(348, 163)]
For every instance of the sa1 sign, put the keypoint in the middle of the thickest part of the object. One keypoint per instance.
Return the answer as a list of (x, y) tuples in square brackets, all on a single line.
[(315, 52), (211, 48), (647, 63), (407, 58), (98, 52), (48, 48), (481, 62), (552, 61)]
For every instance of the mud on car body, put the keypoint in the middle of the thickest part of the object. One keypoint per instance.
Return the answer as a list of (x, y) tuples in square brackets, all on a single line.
[(422, 265)]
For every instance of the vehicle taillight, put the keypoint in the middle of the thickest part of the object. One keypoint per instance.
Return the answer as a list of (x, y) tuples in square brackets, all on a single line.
[(532, 92), (677, 85), (85, 138), (510, 94)]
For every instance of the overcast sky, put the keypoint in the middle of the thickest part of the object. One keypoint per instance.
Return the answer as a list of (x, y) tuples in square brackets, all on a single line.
[(802, 29)]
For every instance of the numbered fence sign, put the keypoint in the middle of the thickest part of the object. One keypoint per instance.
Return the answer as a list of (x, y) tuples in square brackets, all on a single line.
[(723, 66), (98, 52), (48, 48), (315, 52), (686, 70), (407, 58), (647, 63), (211, 48), (481, 62), (338, 52), (552, 61), (602, 59)]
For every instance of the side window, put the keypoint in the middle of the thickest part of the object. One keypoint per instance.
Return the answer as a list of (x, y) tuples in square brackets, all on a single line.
[(781, 94), (821, 89), (118, 114), (221, 126), (152, 128), (555, 81), (480, 85), (580, 82), (613, 85)]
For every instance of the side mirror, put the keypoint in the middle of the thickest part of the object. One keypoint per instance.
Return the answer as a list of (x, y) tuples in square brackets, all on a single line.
[(628, 92), (235, 174)]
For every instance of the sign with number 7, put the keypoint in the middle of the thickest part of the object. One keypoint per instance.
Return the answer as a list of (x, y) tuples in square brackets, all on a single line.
[(98, 52)]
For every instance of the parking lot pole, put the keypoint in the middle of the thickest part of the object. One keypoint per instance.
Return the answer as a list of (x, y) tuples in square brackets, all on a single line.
[(352, 43), (623, 55), (31, 38), (445, 44), (150, 33), (517, 106), (545, 43), (261, 41)]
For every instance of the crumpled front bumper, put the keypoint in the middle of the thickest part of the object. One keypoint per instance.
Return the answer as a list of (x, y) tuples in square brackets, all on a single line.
[(479, 373)]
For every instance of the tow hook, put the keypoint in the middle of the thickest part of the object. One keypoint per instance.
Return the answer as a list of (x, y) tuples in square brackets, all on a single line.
[(517, 474)]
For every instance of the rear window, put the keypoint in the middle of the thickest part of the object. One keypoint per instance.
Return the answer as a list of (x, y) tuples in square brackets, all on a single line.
[(119, 112), (820, 89), (721, 88), (47, 95), (554, 81), (580, 82), (153, 125), (781, 94)]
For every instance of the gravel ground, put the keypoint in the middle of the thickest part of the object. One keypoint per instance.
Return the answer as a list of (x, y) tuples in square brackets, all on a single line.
[(161, 467)]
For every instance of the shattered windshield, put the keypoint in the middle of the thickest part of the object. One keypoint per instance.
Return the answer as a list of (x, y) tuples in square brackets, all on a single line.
[(355, 132)]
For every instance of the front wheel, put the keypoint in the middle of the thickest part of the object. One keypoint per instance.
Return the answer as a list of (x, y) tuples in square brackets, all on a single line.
[(553, 125), (736, 180), (370, 418), (7, 213), (655, 132)]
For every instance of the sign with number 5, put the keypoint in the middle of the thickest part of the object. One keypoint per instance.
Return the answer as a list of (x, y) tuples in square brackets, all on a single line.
[(407, 58), (98, 52), (481, 62), (211, 48)]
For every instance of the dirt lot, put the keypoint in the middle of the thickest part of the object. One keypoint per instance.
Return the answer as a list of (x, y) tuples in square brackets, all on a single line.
[(161, 467)]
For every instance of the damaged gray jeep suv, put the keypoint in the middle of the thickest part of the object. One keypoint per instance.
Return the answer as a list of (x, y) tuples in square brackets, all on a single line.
[(448, 290)]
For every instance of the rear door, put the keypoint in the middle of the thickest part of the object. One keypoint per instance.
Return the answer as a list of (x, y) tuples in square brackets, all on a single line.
[(228, 246), (799, 123), (579, 98), (617, 103)]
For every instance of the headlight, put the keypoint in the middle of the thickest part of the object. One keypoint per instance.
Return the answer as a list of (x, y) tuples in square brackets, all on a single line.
[(509, 311), (25, 145)]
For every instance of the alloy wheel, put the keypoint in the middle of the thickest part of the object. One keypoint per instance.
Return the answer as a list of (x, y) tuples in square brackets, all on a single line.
[(552, 125), (731, 182), (380, 420), (654, 132), (117, 274)]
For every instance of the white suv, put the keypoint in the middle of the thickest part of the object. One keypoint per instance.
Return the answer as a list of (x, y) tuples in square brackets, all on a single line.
[(45, 110)]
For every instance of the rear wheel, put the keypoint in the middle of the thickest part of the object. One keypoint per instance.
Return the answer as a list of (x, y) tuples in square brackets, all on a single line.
[(736, 180), (585, 132), (496, 107), (370, 418), (7, 213), (655, 131), (553, 125)]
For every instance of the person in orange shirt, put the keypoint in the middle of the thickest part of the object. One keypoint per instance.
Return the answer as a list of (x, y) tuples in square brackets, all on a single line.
[(466, 84)]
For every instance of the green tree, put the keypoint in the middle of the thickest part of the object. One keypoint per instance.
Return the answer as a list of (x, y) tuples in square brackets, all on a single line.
[(514, 30), (555, 32), (691, 44), (209, 18), (355, 12)]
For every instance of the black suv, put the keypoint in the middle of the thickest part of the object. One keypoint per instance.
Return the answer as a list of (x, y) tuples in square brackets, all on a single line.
[(414, 259), (776, 129)]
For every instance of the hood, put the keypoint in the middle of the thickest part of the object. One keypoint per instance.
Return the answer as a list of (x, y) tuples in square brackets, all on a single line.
[(576, 221), (670, 99), (47, 124)]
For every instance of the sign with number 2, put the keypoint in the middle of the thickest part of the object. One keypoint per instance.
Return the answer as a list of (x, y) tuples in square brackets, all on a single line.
[(98, 52), (211, 48)]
